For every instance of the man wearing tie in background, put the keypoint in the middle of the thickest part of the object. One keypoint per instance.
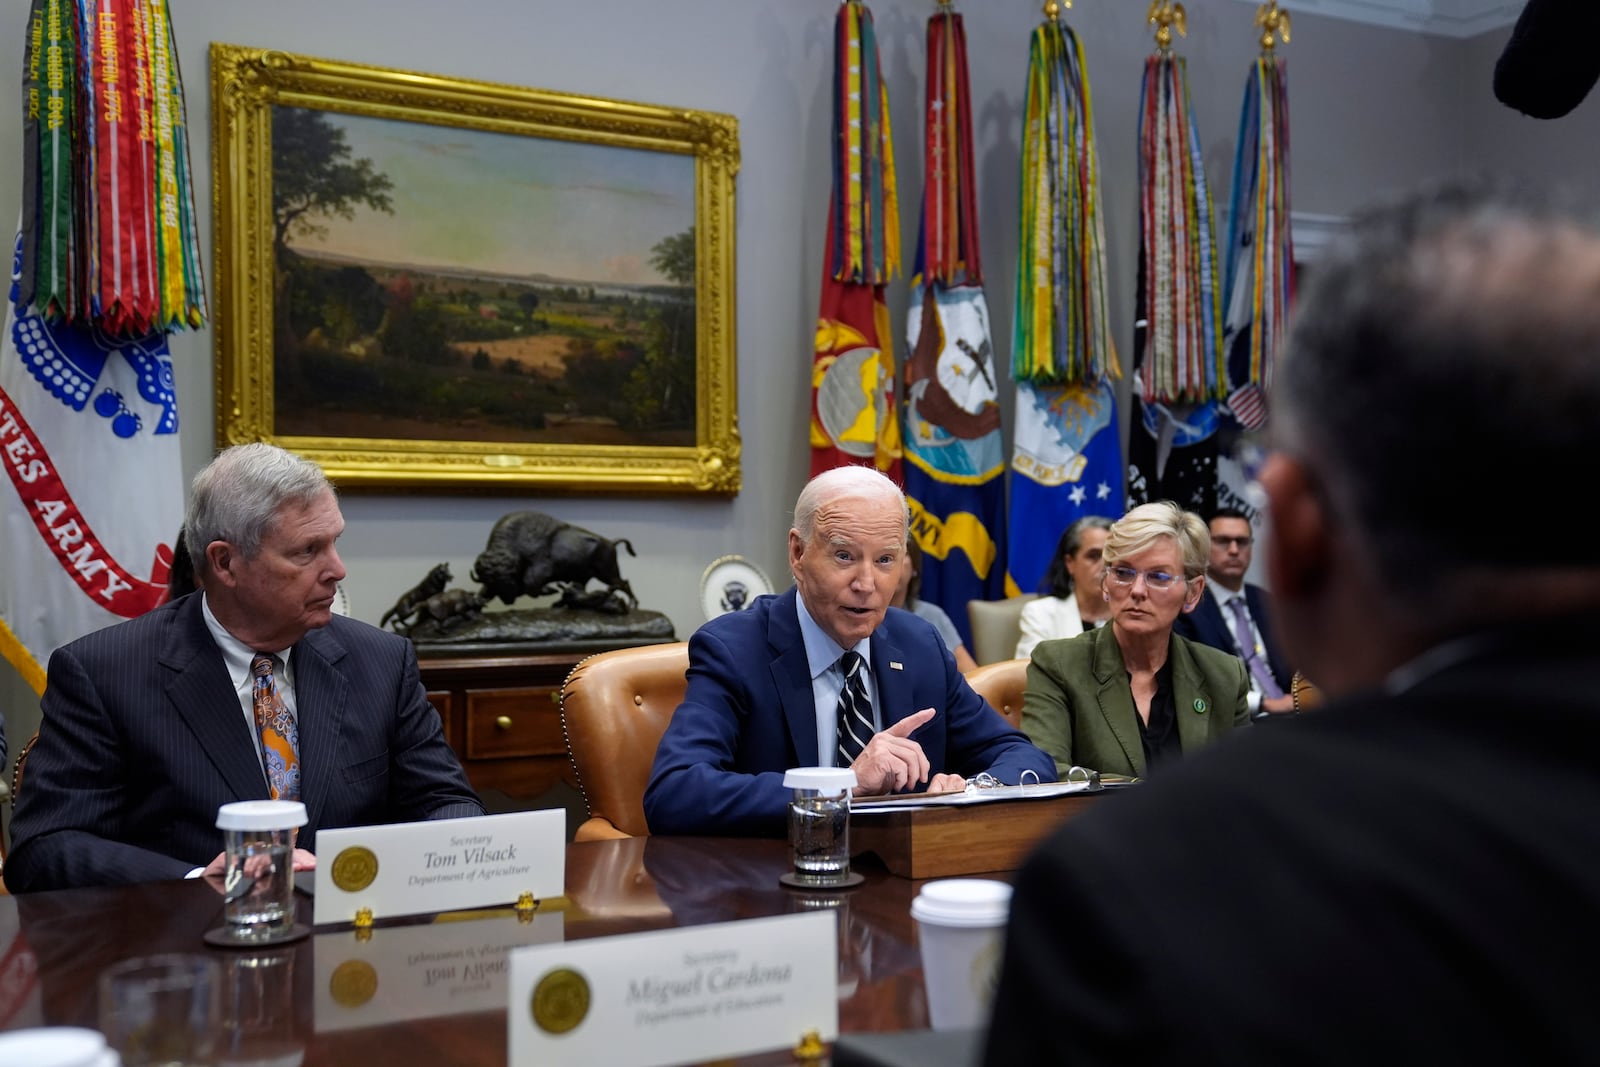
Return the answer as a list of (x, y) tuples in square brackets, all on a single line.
[(1236, 615), (250, 689), (827, 674), (1410, 872)]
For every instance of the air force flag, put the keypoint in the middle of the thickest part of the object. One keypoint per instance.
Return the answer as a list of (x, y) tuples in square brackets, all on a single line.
[(1067, 463)]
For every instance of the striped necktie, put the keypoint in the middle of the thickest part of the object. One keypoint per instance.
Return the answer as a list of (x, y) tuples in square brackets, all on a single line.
[(855, 710), (1245, 635), (280, 737)]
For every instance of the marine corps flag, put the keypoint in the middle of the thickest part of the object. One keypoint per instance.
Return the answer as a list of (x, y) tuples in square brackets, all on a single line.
[(852, 370), (105, 260), (1179, 380), (955, 461), (1067, 455)]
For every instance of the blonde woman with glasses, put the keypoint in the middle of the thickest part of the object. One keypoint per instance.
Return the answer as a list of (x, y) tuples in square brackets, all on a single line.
[(1131, 696)]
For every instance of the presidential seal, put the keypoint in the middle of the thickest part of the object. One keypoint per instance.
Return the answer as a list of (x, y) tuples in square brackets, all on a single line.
[(352, 983), (354, 869), (560, 1000)]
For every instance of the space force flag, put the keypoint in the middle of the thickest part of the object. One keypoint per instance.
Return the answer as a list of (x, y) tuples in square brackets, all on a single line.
[(93, 490)]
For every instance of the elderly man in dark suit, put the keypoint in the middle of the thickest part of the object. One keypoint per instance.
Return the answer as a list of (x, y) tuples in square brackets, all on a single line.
[(1411, 870), (250, 689), (826, 673), (1236, 616)]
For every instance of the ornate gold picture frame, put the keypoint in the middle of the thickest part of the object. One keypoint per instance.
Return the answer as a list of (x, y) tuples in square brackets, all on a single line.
[(431, 281)]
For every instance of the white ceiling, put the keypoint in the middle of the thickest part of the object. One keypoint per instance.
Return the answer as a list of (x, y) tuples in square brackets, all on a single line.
[(1449, 18)]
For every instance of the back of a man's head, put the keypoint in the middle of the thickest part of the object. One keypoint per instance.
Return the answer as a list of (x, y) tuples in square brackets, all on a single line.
[(1443, 372)]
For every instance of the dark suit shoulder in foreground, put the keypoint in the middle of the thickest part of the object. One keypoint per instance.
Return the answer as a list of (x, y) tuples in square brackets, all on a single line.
[(1416, 875)]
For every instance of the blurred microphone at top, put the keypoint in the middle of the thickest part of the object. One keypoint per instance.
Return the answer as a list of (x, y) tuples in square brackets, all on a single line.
[(1551, 61)]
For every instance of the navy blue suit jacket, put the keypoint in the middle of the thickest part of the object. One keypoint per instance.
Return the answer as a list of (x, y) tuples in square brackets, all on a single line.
[(1206, 625), (144, 737), (749, 714)]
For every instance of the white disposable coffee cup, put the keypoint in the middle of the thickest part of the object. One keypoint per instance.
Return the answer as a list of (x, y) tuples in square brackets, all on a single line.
[(961, 926), (56, 1046)]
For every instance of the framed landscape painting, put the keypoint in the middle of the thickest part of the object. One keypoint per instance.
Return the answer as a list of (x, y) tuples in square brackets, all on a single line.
[(430, 281)]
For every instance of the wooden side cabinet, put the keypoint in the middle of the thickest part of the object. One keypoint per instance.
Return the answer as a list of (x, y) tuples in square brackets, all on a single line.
[(502, 715)]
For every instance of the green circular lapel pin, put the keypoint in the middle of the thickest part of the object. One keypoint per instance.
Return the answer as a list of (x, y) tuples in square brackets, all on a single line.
[(1199, 706)]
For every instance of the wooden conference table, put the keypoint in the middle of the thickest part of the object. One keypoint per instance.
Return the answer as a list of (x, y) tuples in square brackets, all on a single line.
[(301, 1000)]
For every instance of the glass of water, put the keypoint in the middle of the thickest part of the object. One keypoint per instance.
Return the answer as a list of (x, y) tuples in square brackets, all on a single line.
[(819, 824), (258, 885)]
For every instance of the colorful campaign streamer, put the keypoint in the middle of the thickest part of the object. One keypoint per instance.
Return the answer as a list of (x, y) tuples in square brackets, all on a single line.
[(108, 221)]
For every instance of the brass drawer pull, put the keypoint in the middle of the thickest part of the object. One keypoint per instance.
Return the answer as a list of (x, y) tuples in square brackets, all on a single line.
[(503, 723)]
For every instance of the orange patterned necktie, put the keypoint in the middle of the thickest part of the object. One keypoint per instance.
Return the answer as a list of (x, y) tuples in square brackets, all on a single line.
[(280, 738)]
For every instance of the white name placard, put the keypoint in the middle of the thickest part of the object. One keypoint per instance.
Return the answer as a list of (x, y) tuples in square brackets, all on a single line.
[(676, 996), (417, 867), (417, 972)]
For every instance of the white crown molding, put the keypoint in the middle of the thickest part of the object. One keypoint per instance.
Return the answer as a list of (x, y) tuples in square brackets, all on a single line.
[(1447, 18)]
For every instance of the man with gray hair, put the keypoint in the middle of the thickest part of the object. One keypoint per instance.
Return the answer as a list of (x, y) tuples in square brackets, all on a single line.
[(247, 690), (1411, 870), (825, 674)]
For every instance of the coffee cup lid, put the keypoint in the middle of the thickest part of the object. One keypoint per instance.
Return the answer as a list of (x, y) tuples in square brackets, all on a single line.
[(822, 779), (261, 815), (963, 902), (56, 1046)]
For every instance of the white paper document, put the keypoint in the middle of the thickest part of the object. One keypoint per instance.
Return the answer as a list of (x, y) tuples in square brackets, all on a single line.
[(676, 996)]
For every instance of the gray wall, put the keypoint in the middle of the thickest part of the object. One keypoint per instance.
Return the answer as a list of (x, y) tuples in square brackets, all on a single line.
[(1372, 109)]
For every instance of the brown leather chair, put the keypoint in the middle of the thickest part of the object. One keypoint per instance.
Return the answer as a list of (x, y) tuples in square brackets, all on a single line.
[(1002, 685), (614, 708)]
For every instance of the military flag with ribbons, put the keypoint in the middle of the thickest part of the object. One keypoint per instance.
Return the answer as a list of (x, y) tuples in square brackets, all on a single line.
[(1179, 379), (1260, 267), (105, 263), (852, 371), (954, 456), (1067, 452)]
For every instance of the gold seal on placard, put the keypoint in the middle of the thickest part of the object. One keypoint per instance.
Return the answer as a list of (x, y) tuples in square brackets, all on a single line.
[(354, 869), (560, 1000), (352, 983)]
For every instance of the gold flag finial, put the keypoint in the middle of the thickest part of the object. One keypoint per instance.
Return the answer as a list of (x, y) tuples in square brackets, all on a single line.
[(1271, 19), (946, 5), (1164, 14), (1052, 9)]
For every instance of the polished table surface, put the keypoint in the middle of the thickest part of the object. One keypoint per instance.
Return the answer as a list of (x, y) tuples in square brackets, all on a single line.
[(275, 1001)]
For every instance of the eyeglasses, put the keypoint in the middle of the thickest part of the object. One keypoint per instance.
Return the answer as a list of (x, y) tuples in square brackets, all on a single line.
[(1240, 542), (1158, 580)]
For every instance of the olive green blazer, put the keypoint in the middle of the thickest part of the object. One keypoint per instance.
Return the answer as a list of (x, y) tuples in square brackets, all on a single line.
[(1078, 706)]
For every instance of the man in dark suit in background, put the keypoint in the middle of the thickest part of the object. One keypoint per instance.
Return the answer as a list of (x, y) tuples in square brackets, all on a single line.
[(1236, 616), (151, 725), (767, 684), (1411, 870)]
